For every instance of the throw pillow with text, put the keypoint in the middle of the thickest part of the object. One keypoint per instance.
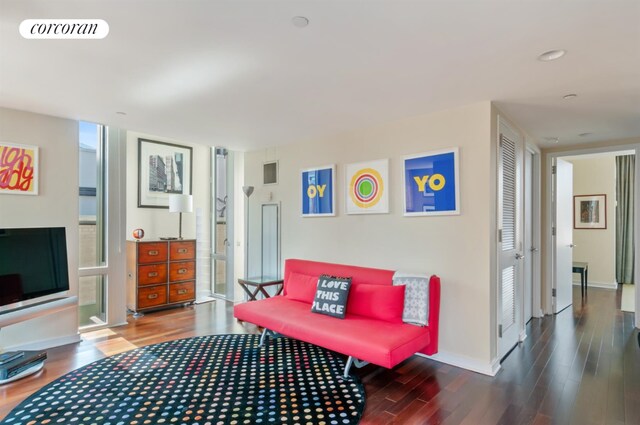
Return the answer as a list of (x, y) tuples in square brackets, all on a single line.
[(331, 296)]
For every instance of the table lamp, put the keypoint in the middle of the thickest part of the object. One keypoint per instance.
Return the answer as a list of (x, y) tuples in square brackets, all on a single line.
[(180, 204)]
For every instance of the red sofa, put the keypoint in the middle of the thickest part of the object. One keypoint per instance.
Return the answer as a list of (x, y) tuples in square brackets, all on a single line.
[(372, 330)]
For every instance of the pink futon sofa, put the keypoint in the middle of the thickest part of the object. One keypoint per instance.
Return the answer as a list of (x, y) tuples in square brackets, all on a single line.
[(371, 332)]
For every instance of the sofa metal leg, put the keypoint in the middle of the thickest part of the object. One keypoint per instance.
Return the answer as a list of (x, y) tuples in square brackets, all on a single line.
[(352, 361), (267, 333)]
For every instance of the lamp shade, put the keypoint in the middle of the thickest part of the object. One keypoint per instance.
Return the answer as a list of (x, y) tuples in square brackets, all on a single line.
[(248, 190), (180, 203)]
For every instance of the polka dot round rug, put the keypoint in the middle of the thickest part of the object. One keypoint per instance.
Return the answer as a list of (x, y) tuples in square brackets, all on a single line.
[(209, 380)]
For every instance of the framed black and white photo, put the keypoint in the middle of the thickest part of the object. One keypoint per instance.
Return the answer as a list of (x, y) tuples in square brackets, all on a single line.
[(590, 212), (163, 169)]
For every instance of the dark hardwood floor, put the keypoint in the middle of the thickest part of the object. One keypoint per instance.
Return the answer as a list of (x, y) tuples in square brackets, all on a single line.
[(579, 367)]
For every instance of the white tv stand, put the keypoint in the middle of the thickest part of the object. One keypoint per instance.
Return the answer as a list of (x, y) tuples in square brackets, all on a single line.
[(32, 311)]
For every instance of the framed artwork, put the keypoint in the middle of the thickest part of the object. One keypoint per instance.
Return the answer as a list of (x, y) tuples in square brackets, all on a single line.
[(19, 169), (367, 189), (318, 191), (431, 183), (163, 169), (590, 211)]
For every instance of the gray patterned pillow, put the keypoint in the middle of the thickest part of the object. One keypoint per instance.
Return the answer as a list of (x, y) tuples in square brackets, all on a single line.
[(416, 297)]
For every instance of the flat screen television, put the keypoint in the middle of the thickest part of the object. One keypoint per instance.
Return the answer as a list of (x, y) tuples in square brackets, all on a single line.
[(33, 266)]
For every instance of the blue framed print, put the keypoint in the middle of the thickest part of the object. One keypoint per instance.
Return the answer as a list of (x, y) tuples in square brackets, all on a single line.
[(318, 191), (431, 183)]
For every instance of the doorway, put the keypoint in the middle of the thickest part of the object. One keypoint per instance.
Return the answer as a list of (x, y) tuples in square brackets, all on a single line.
[(518, 239), (531, 238), (510, 237), (594, 226)]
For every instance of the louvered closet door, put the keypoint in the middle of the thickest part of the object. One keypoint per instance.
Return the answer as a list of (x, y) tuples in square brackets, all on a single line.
[(510, 157)]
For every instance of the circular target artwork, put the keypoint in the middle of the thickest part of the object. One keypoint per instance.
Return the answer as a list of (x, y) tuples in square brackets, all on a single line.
[(366, 187)]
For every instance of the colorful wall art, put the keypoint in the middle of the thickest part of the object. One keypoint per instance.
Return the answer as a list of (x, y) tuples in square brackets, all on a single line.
[(367, 189), (18, 169), (431, 183), (318, 191)]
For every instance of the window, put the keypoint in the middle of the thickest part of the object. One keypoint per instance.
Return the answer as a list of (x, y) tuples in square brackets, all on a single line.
[(92, 243)]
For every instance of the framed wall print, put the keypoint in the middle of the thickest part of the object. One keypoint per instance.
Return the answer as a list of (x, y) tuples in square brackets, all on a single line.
[(318, 191), (431, 183), (367, 187), (590, 211), (163, 169), (18, 169)]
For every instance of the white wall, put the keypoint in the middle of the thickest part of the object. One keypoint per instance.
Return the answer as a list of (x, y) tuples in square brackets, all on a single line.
[(159, 222), (593, 176), (56, 205), (457, 248)]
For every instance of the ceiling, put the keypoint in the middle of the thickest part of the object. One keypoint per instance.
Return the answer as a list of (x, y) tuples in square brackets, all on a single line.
[(239, 73)]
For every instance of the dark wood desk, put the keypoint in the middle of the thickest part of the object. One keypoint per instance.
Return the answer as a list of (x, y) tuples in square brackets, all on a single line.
[(255, 285), (583, 269)]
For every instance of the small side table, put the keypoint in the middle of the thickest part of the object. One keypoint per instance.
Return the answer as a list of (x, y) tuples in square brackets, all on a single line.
[(255, 285), (583, 269)]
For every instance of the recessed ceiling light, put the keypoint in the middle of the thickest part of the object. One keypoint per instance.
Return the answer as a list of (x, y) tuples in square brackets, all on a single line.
[(300, 21), (551, 55), (585, 134), (569, 96), (121, 113), (552, 139)]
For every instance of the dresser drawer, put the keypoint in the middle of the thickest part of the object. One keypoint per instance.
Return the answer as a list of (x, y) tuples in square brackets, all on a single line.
[(152, 274), (152, 252), (185, 291), (182, 270), (182, 251), (152, 296)]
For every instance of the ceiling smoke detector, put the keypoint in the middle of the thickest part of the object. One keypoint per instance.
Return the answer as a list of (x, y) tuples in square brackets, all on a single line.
[(552, 55), (300, 21), (553, 140)]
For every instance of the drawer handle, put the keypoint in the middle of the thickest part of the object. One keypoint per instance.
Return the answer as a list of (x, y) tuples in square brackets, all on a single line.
[(182, 271), (154, 252), (182, 250), (152, 296), (182, 291), (153, 274)]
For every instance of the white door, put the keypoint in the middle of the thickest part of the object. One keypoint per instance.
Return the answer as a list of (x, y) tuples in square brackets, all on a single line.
[(563, 243), (530, 250), (510, 157)]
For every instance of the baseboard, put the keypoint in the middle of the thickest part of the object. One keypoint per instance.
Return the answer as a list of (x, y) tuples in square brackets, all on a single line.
[(45, 344), (596, 284), (523, 335), (464, 362)]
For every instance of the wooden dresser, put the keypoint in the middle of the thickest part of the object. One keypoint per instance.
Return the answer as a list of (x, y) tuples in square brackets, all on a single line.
[(160, 274)]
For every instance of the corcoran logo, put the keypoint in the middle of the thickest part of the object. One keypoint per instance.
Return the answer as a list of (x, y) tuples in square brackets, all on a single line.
[(64, 29)]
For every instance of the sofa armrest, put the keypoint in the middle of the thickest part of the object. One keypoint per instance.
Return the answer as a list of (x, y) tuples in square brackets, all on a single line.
[(434, 316)]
